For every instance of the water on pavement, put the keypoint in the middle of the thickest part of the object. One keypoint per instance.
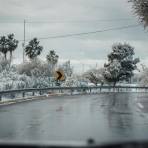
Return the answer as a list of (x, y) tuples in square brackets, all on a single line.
[(104, 117)]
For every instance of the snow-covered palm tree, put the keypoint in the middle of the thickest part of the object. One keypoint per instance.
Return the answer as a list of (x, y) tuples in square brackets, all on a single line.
[(4, 46), (33, 49), (12, 44), (52, 59)]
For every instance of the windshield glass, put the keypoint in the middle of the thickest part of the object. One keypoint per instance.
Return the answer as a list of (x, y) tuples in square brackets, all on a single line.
[(73, 71)]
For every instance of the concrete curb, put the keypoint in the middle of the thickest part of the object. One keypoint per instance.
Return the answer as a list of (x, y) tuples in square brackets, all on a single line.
[(31, 98)]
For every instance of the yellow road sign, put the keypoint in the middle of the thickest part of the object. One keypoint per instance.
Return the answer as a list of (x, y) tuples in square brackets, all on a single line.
[(59, 75)]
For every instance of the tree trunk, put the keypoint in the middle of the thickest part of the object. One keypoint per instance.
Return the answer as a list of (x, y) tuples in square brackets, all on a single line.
[(114, 83), (130, 80), (5, 55), (53, 69), (10, 57)]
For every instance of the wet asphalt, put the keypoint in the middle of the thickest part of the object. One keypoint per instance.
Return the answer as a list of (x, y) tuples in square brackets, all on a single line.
[(105, 117)]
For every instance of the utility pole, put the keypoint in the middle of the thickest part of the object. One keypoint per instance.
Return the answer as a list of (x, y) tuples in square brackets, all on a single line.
[(24, 41)]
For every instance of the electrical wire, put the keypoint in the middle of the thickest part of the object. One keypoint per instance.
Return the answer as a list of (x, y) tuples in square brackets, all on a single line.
[(65, 21), (86, 33)]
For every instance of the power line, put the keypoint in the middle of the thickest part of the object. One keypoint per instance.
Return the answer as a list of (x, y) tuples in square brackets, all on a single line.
[(65, 21), (82, 21), (86, 33)]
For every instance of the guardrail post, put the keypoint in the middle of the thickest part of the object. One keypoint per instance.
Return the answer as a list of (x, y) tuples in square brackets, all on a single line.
[(90, 90), (113, 89), (23, 94), (12, 95), (33, 93), (40, 92), (0, 98), (71, 91), (100, 89)]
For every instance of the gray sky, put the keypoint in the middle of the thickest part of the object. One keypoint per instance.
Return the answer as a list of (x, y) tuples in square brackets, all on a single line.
[(59, 17)]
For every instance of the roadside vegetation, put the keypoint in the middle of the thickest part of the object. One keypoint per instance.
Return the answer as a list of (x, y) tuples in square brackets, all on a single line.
[(121, 66), (140, 9), (36, 73)]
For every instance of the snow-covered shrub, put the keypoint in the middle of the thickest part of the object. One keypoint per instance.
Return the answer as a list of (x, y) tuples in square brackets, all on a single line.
[(34, 74), (70, 82), (10, 79), (34, 67), (143, 78), (38, 71), (23, 82), (40, 82), (4, 64), (94, 76), (74, 81)]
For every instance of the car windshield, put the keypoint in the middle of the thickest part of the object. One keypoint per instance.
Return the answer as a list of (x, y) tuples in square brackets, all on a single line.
[(73, 71)]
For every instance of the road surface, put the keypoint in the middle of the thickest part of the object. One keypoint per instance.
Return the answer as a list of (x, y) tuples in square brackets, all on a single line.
[(104, 117)]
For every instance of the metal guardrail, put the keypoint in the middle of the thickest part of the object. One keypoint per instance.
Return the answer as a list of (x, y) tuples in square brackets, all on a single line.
[(72, 89)]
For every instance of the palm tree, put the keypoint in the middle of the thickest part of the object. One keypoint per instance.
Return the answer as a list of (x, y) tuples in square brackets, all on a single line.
[(52, 59), (4, 46), (33, 49), (12, 44)]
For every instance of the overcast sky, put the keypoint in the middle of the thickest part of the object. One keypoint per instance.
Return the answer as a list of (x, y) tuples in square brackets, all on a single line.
[(47, 18)]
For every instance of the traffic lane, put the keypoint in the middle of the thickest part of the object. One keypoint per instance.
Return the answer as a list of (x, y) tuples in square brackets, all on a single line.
[(41, 118), (104, 117), (142, 102)]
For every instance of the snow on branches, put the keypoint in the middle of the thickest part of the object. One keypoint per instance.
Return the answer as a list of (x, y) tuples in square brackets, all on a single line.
[(121, 63), (140, 8)]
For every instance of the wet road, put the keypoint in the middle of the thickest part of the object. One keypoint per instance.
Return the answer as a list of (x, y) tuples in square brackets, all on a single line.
[(105, 117)]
